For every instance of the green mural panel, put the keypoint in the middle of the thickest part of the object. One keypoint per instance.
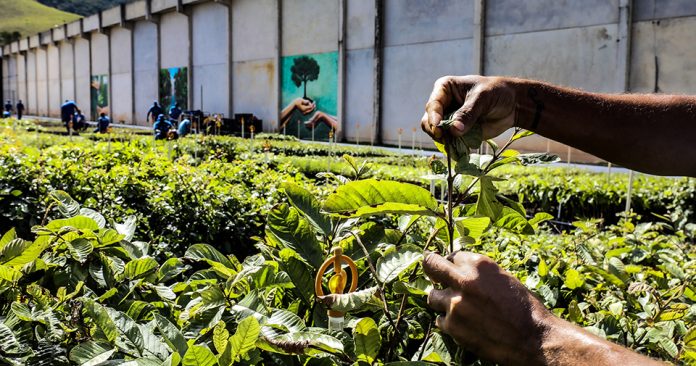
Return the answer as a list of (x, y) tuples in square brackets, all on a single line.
[(99, 93), (309, 95), (173, 87)]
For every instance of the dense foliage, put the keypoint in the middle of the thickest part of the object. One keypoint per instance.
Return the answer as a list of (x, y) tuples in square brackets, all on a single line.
[(91, 288), (83, 7)]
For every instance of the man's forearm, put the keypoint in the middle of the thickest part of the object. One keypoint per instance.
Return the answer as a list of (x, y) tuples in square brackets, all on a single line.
[(567, 344), (650, 133)]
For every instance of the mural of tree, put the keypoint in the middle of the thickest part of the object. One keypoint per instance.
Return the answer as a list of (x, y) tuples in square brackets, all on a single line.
[(181, 87), (165, 88), (304, 69)]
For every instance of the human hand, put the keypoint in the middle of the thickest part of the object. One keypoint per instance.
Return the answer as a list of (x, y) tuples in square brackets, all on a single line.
[(487, 310), (472, 98), (304, 106)]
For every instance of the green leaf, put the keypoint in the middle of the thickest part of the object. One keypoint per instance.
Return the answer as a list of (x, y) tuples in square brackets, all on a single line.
[(171, 334), (171, 268), (199, 356), (101, 318), (10, 274), (540, 217), (244, 339), (67, 206), (90, 353), (94, 215), (8, 339), (203, 252), (305, 202), (486, 203), (512, 220), (472, 226), (220, 336), (19, 252), (139, 268), (80, 249), (435, 350), (127, 229), (537, 158), (391, 266), (76, 222), (573, 279), (300, 273), (287, 319), (371, 197), (8, 237), (367, 340), (521, 134), (353, 301), (292, 230)]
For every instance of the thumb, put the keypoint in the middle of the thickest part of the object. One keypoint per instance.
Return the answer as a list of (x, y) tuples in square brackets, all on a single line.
[(441, 270), (466, 116)]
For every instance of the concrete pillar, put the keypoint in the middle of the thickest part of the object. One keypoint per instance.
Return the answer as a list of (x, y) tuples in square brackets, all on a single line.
[(341, 100), (378, 71), (624, 48), (478, 43)]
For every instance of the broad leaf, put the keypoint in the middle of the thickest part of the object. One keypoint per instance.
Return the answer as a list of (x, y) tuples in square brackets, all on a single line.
[(367, 340), (207, 252), (300, 274), (171, 334), (353, 301), (244, 338), (127, 229), (305, 202), (486, 203), (91, 353), (395, 263), (294, 231), (371, 197), (67, 206), (102, 319), (199, 356)]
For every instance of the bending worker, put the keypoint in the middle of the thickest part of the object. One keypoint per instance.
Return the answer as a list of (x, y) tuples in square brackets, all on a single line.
[(487, 310)]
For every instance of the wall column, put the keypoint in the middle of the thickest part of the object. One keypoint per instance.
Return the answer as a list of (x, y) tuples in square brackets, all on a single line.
[(378, 67), (624, 48), (478, 51)]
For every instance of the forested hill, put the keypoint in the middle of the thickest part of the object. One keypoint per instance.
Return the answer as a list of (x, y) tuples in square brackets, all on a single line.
[(22, 18), (82, 7)]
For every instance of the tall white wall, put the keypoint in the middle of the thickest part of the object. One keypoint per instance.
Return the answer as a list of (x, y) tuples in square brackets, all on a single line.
[(145, 68), (22, 78), (54, 102), (423, 41), (31, 104), (174, 40), (211, 58), (121, 75), (67, 71), (360, 36), (42, 81), (9, 79), (82, 75), (254, 83)]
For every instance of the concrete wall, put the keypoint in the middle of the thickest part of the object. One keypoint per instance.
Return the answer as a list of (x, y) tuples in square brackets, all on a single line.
[(54, 85), (83, 73), (121, 75), (174, 40), (22, 78), (423, 41), (67, 70), (235, 50), (360, 39), (211, 58), (42, 81), (145, 68), (254, 70)]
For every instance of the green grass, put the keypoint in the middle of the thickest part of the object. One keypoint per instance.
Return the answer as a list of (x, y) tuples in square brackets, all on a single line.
[(29, 17)]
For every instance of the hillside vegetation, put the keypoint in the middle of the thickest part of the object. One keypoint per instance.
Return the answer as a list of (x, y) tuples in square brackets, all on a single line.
[(29, 17), (82, 7)]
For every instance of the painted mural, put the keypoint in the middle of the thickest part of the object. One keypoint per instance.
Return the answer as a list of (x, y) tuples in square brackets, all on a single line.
[(173, 87), (309, 95), (99, 95)]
